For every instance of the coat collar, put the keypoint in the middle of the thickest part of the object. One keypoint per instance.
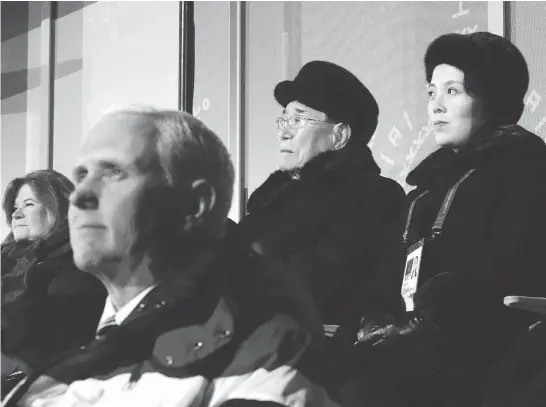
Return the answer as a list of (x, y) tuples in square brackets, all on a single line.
[(112, 316), (20, 261), (191, 292), (503, 143), (327, 170), (54, 246), (187, 344)]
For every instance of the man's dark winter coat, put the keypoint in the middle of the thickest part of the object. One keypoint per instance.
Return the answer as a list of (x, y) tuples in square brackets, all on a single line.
[(338, 226)]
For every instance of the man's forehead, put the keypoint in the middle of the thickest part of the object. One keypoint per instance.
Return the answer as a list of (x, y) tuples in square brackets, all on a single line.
[(298, 107), (123, 134), (120, 126)]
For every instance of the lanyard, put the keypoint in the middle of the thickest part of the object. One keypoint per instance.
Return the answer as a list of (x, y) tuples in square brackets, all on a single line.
[(442, 213), (410, 215)]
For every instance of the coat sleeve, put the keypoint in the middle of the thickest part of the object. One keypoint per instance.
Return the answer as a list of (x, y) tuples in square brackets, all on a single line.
[(267, 370)]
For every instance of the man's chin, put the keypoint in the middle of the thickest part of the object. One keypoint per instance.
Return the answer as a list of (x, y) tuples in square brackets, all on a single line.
[(288, 166), (90, 262)]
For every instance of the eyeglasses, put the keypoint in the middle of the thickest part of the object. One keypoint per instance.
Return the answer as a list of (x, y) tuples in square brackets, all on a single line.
[(296, 122)]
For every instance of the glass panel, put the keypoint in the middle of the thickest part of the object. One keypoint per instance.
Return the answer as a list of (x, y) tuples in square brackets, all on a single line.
[(528, 27), (265, 70), (110, 54), (211, 90), (20, 92)]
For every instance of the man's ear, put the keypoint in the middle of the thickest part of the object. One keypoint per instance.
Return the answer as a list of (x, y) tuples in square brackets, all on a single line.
[(203, 201), (342, 135)]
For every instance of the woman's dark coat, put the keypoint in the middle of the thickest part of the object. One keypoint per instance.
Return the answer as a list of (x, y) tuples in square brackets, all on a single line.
[(48, 305), (492, 246), (337, 227)]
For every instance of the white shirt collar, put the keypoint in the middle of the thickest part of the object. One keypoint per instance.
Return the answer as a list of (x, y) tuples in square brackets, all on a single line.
[(121, 314)]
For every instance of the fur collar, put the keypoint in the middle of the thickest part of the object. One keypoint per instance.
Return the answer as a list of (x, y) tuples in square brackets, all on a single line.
[(504, 143), (54, 246), (325, 170), (20, 260)]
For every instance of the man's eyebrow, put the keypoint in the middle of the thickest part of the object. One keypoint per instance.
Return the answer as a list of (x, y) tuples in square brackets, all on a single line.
[(284, 111), (104, 165), (110, 164)]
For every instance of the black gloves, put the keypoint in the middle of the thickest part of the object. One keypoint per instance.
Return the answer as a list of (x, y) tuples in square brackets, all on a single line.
[(412, 325)]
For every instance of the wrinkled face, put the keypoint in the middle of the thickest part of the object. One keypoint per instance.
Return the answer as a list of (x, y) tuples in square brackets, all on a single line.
[(299, 145), (454, 114), (32, 218), (110, 178)]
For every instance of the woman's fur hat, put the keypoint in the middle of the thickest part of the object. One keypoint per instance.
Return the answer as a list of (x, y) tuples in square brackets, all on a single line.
[(495, 70)]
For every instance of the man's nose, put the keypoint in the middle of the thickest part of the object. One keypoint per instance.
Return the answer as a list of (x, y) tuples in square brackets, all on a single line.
[(285, 134), (84, 197)]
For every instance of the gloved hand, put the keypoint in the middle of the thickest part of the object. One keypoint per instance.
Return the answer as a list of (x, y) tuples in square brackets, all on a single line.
[(412, 324), (384, 334)]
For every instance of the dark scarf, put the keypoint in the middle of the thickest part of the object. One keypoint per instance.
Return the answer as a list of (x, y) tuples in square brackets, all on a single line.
[(20, 273)]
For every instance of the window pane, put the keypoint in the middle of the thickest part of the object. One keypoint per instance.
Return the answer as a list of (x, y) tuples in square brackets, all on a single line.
[(265, 70), (211, 97), (212, 68), (108, 54), (21, 80), (527, 27)]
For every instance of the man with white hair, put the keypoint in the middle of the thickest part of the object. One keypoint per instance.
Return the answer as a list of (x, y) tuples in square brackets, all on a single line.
[(186, 322)]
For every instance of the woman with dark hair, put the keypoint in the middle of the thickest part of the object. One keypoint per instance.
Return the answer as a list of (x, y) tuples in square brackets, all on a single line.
[(476, 220), (48, 306)]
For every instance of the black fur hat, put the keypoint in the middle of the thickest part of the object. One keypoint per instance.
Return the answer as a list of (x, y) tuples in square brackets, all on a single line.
[(495, 70), (332, 89)]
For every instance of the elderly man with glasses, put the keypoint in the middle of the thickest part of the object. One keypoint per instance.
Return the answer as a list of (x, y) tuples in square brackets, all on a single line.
[(327, 214)]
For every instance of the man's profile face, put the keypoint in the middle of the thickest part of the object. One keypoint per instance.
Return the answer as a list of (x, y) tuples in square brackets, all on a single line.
[(300, 144), (110, 176)]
